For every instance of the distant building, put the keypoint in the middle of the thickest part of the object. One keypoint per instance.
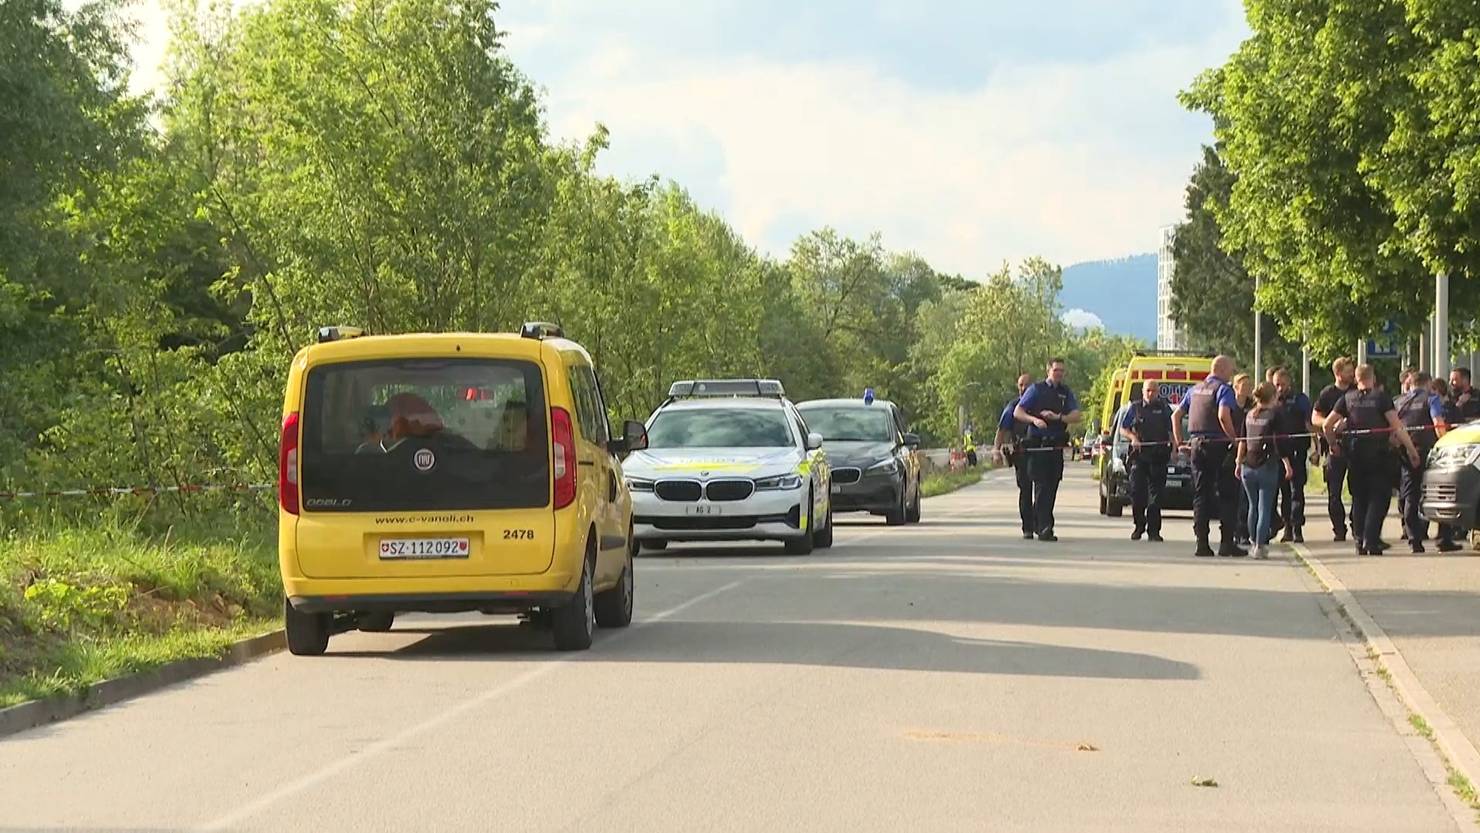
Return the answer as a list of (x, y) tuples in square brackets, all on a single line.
[(1168, 335)]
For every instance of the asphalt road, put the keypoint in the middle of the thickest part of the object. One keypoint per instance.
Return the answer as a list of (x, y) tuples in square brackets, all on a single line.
[(949, 676)]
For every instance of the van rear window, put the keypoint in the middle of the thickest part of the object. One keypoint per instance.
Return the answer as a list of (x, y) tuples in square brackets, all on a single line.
[(414, 434)]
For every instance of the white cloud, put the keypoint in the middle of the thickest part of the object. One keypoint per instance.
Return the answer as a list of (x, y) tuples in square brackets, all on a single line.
[(1068, 161), (1081, 319)]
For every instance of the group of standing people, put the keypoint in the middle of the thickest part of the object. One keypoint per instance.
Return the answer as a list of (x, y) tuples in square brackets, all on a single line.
[(1250, 444)]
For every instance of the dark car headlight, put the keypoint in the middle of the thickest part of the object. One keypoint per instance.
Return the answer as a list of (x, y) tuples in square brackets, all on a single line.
[(887, 467)]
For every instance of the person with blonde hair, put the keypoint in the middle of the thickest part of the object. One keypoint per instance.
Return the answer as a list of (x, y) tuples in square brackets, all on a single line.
[(1243, 393), (1261, 464)]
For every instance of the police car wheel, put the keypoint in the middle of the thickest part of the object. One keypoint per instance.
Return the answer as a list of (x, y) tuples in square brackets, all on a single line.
[(1115, 508), (1104, 505), (824, 537), (913, 514), (802, 544)]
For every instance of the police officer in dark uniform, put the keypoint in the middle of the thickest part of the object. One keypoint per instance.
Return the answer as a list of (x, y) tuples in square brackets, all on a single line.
[(1420, 411), (1369, 419), (1463, 399), (1049, 408), (1210, 406), (1011, 438), (1334, 469), (1148, 426), (1294, 424)]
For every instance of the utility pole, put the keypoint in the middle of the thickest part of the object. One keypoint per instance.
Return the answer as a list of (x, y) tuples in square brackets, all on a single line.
[(1305, 369), (1258, 334), (1441, 325)]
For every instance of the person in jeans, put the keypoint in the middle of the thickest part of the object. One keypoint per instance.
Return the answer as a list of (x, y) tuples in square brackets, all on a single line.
[(1261, 464), (1243, 391)]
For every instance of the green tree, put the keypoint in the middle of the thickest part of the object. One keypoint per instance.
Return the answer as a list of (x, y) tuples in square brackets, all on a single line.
[(1212, 292)]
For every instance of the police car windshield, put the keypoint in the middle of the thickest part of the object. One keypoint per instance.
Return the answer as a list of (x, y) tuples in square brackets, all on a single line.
[(720, 428), (850, 423)]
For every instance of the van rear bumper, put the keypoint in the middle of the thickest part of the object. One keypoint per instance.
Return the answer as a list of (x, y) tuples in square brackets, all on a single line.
[(431, 602)]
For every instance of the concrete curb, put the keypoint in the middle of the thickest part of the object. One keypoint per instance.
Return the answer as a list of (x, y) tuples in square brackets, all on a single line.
[(1456, 748), (35, 713)]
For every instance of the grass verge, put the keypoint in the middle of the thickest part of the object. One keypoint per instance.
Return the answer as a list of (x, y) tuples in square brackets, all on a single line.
[(82, 605), (943, 483)]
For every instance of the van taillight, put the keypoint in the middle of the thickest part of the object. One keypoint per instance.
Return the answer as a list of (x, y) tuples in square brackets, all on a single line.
[(288, 465), (564, 446)]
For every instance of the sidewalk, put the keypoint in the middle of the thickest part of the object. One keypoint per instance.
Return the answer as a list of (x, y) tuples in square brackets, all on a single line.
[(1428, 604)]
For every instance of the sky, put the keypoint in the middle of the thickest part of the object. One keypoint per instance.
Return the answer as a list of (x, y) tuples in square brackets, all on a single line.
[(972, 132)]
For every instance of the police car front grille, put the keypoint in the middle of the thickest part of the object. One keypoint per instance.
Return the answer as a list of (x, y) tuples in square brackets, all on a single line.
[(1440, 492), (846, 475), (685, 491), (721, 491)]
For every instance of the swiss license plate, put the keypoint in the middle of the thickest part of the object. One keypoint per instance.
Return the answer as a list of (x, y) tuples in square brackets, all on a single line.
[(703, 510), (413, 548)]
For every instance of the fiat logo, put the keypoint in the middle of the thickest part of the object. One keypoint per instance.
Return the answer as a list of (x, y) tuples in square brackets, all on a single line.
[(424, 459)]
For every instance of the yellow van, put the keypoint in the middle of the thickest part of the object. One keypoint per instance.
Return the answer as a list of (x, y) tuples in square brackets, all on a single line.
[(1176, 373), (449, 473)]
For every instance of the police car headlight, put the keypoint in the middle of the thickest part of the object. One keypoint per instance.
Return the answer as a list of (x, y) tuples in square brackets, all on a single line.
[(1455, 457), (639, 484), (889, 466), (779, 482)]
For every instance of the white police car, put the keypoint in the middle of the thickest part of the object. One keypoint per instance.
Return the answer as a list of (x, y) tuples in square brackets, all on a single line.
[(730, 460)]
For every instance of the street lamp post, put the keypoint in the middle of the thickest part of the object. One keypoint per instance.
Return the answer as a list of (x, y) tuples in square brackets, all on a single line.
[(1441, 325)]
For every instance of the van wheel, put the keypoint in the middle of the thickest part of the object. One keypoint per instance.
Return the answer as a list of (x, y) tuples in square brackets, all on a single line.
[(614, 606), (824, 539), (375, 622), (1104, 505), (308, 633), (1114, 508), (802, 544), (574, 623)]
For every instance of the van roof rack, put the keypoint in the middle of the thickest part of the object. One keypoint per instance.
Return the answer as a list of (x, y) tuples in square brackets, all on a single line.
[(695, 388), (328, 334), (541, 330)]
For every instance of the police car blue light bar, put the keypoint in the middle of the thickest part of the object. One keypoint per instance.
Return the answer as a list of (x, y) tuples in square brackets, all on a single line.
[(726, 387), (868, 396)]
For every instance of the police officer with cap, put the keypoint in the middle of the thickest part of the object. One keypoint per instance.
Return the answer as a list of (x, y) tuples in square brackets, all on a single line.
[(1369, 418), (1008, 445), (1210, 406), (1148, 426), (1049, 408)]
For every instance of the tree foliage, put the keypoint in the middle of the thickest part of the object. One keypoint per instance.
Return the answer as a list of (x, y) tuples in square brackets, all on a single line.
[(1349, 130), (384, 164)]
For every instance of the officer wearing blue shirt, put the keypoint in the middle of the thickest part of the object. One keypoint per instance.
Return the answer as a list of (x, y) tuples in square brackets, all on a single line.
[(1148, 425), (1209, 407), (1419, 410), (1011, 436), (1294, 418), (1048, 408)]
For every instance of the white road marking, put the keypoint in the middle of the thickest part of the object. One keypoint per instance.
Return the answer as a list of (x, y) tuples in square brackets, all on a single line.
[(328, 771)]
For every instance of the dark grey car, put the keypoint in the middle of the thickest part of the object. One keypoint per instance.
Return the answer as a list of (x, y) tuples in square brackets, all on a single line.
[(874, 460)]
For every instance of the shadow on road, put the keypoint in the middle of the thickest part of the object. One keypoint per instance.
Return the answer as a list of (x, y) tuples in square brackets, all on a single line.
[(827, 644)]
